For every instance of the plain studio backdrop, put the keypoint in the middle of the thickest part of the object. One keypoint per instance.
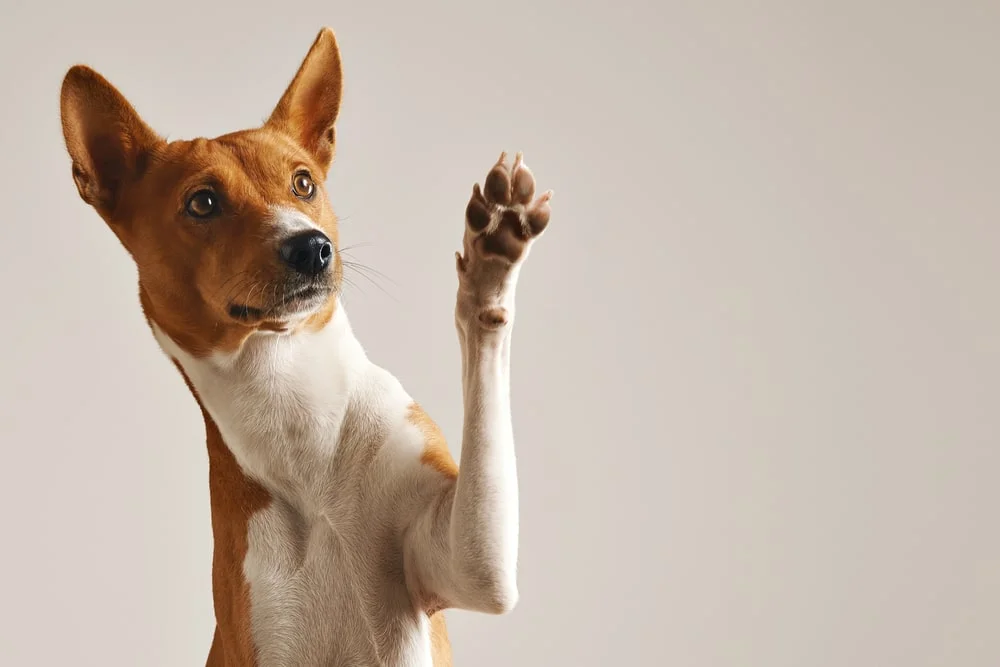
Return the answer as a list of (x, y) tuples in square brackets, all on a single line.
[(756, 378)]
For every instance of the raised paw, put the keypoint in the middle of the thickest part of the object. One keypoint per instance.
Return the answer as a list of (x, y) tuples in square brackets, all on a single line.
[(504, 217), (502, 220)]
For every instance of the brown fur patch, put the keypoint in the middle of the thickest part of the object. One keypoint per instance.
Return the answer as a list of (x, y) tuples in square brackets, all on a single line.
[(436, 453), (234, 498)]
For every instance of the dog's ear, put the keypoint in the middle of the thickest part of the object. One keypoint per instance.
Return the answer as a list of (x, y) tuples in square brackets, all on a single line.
[(107, 141), (309, 107)]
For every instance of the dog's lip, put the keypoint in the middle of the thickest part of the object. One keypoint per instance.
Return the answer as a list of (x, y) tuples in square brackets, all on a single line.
[(308, 293), (305, 293)]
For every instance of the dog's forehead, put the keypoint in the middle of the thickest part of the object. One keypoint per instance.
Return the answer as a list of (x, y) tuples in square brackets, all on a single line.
[(260, 147), (257, 155)]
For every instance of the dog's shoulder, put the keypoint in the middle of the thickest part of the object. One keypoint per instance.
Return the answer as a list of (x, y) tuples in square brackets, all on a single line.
[(390, 442)]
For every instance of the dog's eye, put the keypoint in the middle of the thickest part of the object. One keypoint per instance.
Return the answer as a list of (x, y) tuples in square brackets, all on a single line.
[(203, 204), (303, 186)]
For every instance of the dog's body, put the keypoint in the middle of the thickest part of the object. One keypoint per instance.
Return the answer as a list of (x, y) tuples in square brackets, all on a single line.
[(342, 526), (336, 444)]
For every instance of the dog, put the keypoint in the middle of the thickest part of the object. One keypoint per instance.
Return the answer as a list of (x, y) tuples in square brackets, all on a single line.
[(342, 526)]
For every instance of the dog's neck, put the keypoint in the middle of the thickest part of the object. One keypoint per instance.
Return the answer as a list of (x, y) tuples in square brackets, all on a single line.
[(280, 400), (265, 356)]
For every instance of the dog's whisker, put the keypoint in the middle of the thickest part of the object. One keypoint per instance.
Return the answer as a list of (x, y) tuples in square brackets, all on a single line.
[(243, 276), (353, 285), (361, 244), (228, 281), (370, 280), (358, 266)]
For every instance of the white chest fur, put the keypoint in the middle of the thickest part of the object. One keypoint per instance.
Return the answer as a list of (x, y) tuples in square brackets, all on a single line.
[(281, 400), (325, 430)]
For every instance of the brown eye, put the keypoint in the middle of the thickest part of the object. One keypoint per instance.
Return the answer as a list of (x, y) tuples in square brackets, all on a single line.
[(303, 186), (203, 204)]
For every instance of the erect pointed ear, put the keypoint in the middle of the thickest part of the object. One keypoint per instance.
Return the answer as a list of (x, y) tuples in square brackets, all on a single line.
[(105, 137), (308, 109)]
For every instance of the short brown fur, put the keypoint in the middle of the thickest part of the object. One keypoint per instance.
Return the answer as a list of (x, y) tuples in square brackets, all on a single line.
[(436, 453)]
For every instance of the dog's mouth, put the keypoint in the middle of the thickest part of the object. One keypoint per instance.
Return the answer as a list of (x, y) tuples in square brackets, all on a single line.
[(294, 302)]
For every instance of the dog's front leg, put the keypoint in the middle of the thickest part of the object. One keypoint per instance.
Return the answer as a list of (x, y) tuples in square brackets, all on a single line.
[(463, 551)]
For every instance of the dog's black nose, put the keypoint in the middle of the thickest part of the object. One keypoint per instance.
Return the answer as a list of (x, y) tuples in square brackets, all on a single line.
[(308, 253)]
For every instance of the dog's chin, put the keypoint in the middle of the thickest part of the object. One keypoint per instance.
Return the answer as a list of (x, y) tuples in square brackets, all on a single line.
[(295, 306), (301, 304)]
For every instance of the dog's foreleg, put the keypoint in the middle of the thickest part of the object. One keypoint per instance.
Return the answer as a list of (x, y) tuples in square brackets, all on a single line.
[(464, 550)]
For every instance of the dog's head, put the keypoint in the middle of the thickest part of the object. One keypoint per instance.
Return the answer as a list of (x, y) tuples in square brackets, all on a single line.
[(230, 235)]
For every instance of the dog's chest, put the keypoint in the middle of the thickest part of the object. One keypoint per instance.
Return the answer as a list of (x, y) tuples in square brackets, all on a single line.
[(329, 593), (281, 408), (280, 404), (326, 433)]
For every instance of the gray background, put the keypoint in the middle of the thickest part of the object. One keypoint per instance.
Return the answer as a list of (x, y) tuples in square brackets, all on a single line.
[(756, 372)]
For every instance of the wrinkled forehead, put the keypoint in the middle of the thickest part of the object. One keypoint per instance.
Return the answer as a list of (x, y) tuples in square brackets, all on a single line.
[(248, 166)]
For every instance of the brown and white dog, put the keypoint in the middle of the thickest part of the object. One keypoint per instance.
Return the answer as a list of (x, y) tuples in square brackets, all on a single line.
[(342, 525)]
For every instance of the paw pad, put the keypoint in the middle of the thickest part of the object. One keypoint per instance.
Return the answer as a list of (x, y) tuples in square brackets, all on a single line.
[(503, 216)]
